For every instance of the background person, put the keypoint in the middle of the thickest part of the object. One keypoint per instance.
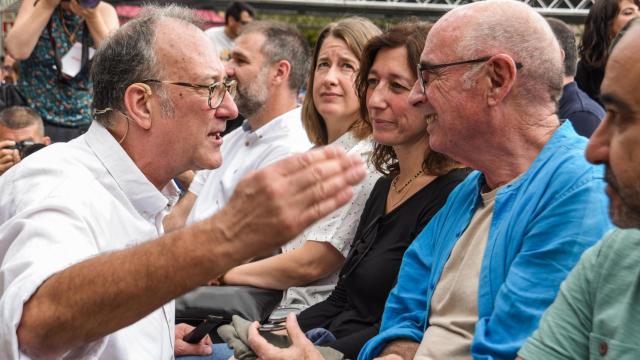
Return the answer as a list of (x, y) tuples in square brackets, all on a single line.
[(20, 126), (574, 104), (237, 14), (605, 19), (64, 103), (308, 267), (9, 72)]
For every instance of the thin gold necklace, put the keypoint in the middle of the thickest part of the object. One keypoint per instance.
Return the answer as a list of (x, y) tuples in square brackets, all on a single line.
[(394, 183)]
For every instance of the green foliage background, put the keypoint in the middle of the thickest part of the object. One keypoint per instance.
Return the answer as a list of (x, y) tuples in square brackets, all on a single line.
[(311, 25)]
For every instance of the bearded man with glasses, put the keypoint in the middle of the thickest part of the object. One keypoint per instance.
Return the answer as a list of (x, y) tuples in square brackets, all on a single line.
[(86, 269)]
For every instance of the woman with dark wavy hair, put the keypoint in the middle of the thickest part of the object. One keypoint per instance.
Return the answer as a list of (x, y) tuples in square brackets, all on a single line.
[(603, 23), (416, 184)]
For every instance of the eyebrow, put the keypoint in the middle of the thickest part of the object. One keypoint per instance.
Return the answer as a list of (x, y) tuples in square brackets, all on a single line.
[(349, 59), (235, 53), (217, 76), (340, 58), (612, 99), (394, 76)]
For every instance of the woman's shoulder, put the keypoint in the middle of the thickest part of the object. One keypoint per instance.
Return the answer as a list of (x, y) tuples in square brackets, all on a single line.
[(381, 187)]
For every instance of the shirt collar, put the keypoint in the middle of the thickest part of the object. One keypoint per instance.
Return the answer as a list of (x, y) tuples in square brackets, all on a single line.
[(270, 129), (346, 141), (564, 135), (144, 197)]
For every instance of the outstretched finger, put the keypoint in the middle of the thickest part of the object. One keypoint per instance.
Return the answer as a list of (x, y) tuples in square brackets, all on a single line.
[(303, 170), (324, 197), (326, 177), (297, 162), (6, 143)]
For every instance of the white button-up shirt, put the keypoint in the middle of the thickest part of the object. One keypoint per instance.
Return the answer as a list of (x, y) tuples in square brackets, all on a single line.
[(64, 204), (337, 228), (244, 151)]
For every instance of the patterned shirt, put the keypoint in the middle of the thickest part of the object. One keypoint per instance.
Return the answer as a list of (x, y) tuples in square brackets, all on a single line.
[(337, 228), (63, 102)]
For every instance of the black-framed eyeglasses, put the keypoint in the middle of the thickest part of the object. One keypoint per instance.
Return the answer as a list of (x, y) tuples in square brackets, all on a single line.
[(424, 69), (216, 90)]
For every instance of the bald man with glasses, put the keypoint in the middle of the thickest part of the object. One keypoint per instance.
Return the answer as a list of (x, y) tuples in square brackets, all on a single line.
[(476, 280)]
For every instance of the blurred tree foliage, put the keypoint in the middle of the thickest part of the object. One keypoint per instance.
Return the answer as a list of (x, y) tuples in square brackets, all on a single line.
[(311, 25)]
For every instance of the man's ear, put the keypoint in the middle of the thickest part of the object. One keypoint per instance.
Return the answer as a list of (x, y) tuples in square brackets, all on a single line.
[(282, 70), (501, 71), (136, 102), (46, 140)]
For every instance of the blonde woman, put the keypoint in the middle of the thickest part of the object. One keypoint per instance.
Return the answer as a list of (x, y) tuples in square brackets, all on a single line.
[(308, 266)]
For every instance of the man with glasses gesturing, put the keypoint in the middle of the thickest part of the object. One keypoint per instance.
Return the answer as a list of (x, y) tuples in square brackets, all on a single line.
[(86, 269)]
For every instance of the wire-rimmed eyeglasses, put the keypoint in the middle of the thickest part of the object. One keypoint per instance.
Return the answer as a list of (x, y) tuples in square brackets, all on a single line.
[(424, 69), (217, 90)]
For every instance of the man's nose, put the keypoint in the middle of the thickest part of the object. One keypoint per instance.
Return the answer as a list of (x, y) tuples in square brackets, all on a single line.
[(417, 97), (597, 151), (229, 68)]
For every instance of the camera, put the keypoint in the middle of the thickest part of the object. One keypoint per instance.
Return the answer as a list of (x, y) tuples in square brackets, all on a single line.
[(25, 147), (86, 3)]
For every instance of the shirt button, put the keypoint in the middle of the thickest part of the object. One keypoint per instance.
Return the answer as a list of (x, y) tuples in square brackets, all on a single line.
[(603, 348)]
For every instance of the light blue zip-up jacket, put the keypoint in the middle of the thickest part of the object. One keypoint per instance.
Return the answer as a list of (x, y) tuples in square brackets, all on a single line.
[(542, 222)]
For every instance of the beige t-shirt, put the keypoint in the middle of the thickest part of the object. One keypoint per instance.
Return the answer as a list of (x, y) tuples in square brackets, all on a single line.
[(454, 305)]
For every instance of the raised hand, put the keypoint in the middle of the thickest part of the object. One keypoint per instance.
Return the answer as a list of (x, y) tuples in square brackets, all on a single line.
[(271, 206), (8, 157)]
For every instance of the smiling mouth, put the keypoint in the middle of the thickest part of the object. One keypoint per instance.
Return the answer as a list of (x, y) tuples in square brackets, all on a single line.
[(430, 118), (216, 135)]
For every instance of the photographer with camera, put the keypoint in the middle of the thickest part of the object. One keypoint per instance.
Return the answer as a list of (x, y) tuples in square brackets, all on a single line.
[(21, 133), (54, 41)]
